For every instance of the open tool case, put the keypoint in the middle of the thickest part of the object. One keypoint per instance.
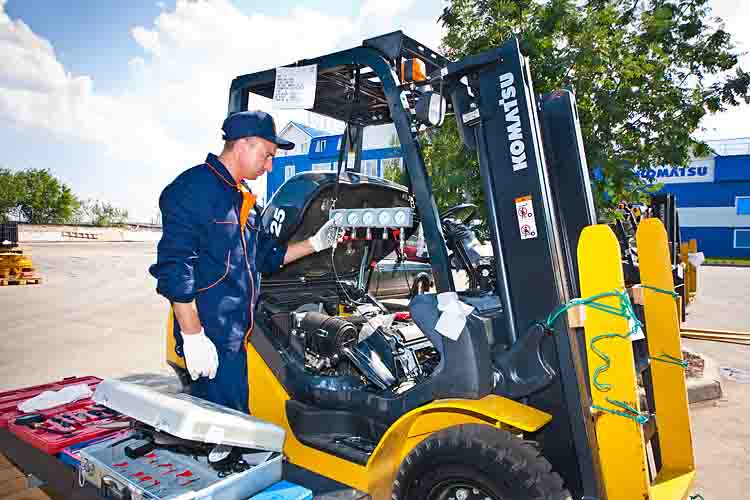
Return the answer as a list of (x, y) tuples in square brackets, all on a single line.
[(181, 446)]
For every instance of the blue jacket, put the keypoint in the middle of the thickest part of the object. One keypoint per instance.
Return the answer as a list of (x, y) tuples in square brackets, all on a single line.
[(201, 254)]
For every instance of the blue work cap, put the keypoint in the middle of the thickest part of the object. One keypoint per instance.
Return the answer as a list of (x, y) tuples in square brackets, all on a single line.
[(253, 124)]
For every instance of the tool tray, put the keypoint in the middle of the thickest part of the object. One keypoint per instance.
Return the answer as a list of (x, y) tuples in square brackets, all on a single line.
[(9, 400), (53, 443), (70, 455), (166, 473)]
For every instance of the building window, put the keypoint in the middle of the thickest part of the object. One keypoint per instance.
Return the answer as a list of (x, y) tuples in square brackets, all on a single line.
[(288, 171), (320, 146), (742, 238), (742, 203), (322, 167), (370, 167)]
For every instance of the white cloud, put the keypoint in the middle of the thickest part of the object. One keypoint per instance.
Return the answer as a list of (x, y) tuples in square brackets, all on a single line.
[(733, 122), (149, 40)]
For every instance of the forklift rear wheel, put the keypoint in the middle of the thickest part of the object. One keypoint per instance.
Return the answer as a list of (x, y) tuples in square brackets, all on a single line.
[(476, 462)]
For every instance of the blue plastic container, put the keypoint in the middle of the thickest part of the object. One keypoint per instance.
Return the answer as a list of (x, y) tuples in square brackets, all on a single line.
[(284, 490)]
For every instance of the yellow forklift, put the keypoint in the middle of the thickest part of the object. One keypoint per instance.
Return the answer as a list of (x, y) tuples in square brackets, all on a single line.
[(545, 378)]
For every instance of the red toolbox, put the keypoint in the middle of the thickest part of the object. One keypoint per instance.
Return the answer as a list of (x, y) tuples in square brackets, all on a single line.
[(9, 400), (67, 425)]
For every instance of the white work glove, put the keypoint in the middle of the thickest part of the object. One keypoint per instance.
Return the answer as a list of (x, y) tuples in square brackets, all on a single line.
[(324, 237), (201, 357)]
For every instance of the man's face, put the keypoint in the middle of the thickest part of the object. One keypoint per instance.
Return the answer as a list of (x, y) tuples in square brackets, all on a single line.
[(256, 157)]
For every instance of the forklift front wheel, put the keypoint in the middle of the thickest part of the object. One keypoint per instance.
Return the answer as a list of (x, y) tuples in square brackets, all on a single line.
[(476, 462)]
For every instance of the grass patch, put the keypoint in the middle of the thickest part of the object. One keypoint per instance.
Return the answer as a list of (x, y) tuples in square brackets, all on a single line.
[(742, 262)]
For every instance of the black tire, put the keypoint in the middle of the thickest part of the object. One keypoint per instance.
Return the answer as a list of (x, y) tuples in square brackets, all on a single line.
[(484, 462)]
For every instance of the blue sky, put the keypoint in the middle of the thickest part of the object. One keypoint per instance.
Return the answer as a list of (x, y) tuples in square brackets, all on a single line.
[(116, 98)]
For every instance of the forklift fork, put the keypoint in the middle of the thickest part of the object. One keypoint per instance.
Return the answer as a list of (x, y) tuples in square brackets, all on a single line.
[(645, 453)]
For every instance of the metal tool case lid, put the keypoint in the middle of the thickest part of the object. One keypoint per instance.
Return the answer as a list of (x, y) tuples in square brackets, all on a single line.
[(187, 417)]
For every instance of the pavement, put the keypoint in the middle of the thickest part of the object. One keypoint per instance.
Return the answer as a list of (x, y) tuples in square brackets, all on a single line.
[(721, 436), (97, 314)]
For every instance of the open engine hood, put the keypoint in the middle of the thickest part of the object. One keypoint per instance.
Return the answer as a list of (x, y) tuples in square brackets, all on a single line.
[(301, 206)]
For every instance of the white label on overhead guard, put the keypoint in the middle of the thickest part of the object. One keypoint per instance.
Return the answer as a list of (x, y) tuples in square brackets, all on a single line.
[(295, 87), (526, 217), (471, 115)]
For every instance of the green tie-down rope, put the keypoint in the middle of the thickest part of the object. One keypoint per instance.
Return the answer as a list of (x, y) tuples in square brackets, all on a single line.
[(666, 358), (629, 412), (661, 290), (624, 309)]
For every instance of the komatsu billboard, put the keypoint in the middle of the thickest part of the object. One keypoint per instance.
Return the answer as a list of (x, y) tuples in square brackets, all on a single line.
[(701, 170)]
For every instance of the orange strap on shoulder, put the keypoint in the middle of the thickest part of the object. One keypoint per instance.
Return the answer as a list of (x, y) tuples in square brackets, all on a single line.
[(248, 202)]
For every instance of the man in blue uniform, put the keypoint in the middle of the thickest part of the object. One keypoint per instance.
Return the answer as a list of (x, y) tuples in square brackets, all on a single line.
[(211, 253)]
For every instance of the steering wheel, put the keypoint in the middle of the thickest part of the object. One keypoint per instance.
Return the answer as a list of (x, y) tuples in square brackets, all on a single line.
[(473, 210)]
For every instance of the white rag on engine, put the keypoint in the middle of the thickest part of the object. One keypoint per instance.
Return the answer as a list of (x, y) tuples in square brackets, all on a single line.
[(453, 315), (51, 399)]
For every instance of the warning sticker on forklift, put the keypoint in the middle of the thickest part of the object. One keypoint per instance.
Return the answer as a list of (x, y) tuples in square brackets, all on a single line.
[(526, 217)]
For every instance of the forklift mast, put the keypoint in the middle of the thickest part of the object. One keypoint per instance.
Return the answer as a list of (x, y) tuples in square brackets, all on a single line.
[(538, 196)]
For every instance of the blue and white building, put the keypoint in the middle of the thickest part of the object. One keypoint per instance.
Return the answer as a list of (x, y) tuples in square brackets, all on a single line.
[(319, 150), (713, 198)]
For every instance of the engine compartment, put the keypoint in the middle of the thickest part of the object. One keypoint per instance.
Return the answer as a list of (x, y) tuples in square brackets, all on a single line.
[(316, 311), (377, 350)]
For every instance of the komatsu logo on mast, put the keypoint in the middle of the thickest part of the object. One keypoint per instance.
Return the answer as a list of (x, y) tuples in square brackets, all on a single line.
[(515, 134)]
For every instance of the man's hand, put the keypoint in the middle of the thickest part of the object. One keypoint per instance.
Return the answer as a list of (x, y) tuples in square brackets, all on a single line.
[(323, 239), (319, 241), (201, 357)]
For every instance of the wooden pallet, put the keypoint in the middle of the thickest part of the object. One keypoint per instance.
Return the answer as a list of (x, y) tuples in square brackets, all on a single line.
[(14, 485), (16, 281), (18, 273)]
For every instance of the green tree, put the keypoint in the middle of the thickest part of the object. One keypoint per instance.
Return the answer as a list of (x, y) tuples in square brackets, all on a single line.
[(9, 194), (42, 199), (100, 213), (644, 73), (393, 171)]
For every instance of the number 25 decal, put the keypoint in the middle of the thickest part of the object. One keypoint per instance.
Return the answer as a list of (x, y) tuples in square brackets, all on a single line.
[(278, 218)]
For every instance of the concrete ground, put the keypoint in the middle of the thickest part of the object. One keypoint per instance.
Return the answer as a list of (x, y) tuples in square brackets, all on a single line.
[(97, 314), (721, 436)]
